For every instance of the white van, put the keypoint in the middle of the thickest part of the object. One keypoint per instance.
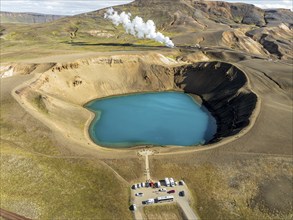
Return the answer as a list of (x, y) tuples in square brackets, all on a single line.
[(167, 182)]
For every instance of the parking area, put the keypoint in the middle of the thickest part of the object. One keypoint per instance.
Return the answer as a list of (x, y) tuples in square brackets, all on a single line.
[(167, 190), (161, 193), (147, 193)]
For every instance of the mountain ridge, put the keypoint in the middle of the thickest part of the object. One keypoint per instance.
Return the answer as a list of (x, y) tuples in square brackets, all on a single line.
[(27, 17)]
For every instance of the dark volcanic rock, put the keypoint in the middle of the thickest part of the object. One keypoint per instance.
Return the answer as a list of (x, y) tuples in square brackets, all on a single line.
[(270, 45), (278, 16), (223, 90), (277, 40), (227, 12)]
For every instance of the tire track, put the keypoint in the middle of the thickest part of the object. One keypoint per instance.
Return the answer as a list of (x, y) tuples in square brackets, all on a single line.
[(11, 216)]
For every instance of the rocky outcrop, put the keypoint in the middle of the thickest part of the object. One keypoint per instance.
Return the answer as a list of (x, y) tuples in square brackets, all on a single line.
[(23, 69), (275, 17), (226, 12), (237, 39), (276, 40), (223, 90)]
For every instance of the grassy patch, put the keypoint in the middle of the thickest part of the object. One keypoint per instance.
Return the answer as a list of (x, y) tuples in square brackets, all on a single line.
[(20, 130), (37, 179), (163, 211), (59, 188), (40, 104), (130, 169), (18, 42), (224, 192)]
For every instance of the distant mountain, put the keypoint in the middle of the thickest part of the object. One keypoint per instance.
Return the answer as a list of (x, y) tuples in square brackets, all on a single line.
[(207, 24), (237, 26), (28, 18)]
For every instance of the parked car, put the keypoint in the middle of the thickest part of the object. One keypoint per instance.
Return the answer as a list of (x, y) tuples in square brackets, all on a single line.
[(171, 191), (150, 201), (139, 194), (163, 190), (138, 185), (182, 193), (181, 182), (133, 207), (147, 184)]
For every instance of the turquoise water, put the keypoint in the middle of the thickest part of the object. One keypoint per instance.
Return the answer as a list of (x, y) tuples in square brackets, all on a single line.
[(163, 118)]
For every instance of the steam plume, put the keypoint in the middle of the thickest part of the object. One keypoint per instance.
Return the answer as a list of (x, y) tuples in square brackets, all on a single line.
[(137, 27)]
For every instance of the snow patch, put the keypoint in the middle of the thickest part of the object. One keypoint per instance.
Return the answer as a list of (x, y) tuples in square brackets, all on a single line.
[(284, 27), (167, 60), (4, 68), (7, 71)]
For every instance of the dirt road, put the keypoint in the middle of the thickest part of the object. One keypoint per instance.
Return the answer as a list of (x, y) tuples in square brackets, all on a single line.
[(187, 210), (138, 214), (146, 153), (182, 201)]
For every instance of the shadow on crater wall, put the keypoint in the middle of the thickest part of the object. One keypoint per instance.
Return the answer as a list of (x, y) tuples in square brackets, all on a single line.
[(224, 92)]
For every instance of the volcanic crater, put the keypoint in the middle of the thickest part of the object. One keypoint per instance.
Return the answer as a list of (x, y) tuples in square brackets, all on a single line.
[(59, 94)]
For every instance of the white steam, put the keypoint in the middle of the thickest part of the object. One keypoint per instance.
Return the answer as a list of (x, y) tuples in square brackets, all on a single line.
[(137, 27)]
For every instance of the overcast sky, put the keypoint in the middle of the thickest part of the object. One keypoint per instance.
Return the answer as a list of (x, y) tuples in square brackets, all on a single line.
[(71, 7)]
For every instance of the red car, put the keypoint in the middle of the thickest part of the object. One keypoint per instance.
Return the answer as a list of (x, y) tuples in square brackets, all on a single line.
[(171, 191)]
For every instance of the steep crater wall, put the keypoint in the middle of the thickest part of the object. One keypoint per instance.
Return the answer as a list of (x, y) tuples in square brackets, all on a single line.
[(224, 91)]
